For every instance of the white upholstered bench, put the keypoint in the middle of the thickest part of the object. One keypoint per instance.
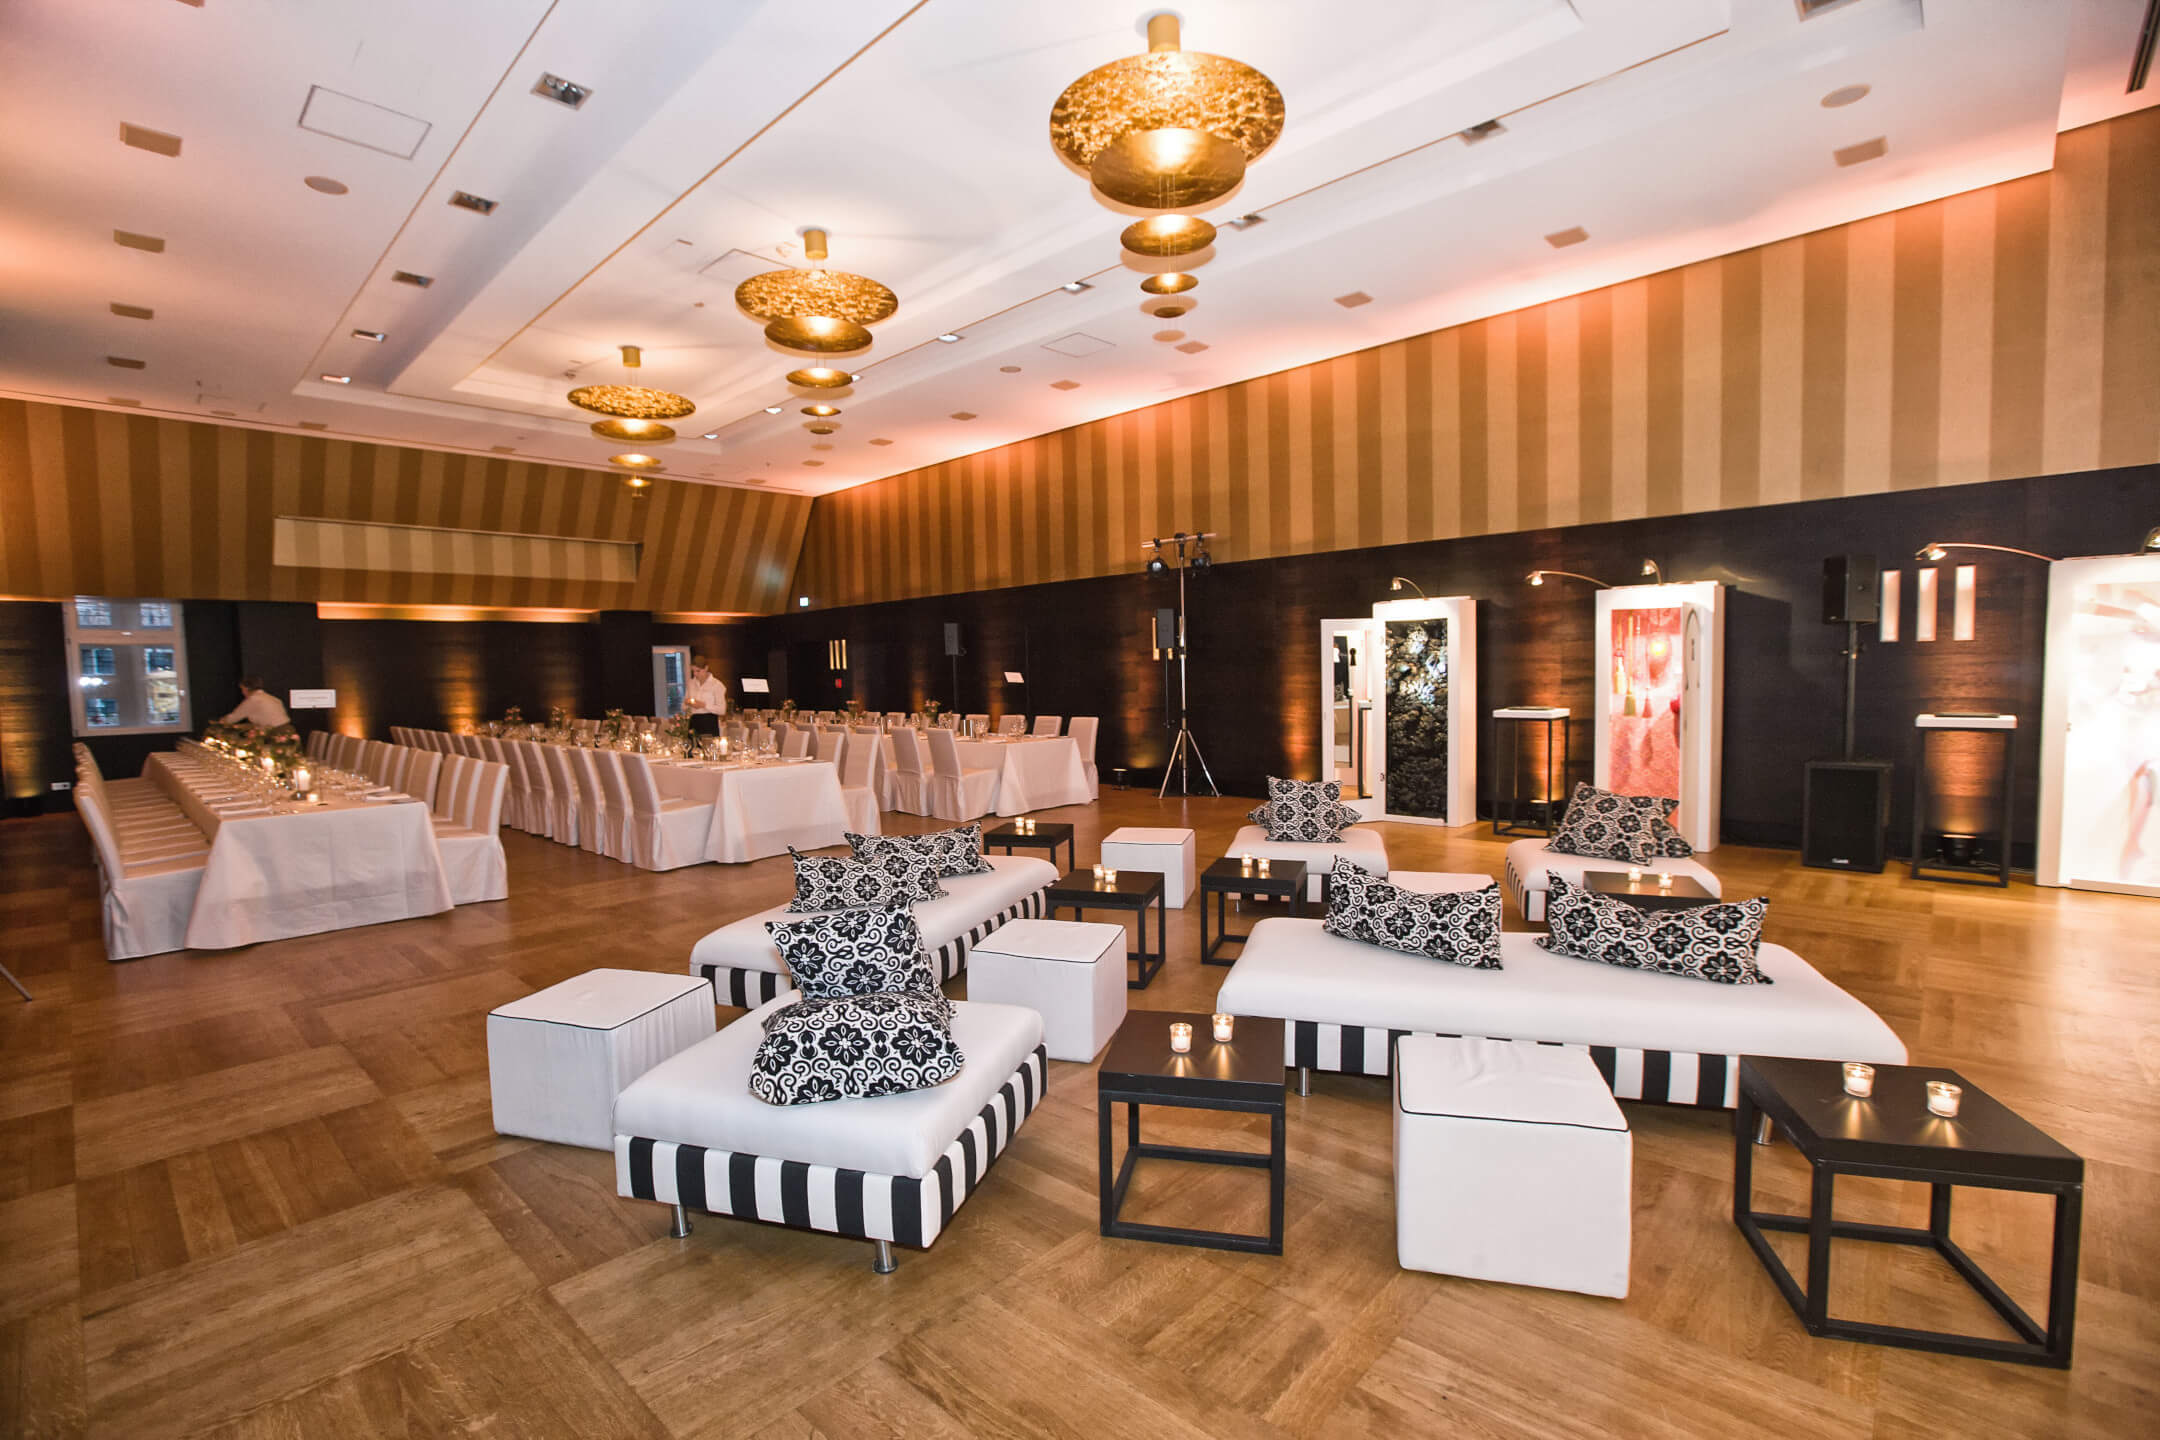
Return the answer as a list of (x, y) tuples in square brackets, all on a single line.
[(1531, 864), (745, 968), (891, 1169), (1360, 845)]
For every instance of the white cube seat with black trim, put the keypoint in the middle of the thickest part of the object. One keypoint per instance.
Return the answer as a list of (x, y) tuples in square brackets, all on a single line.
[(745, 968), (1070, 972), (557, 1058), (1360, 845), (1169, 851), (1531, 864), (1512, 1163), (1665, 1039), (892, 1168)]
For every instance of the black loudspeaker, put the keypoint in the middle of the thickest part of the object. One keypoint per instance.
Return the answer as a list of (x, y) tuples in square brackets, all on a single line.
[(1851, 590), (952, 639), (1166, 630), (1845, 815)]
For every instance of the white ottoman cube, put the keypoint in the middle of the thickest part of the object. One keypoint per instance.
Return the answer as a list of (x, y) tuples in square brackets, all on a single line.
[(1169, 853), (558, 1058), (1071, 973), (1512, 1163)]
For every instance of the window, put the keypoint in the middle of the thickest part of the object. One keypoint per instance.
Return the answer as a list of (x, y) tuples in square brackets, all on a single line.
[(127, 666)]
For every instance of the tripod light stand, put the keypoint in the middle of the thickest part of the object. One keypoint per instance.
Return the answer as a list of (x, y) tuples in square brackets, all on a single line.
[(1191, 554)]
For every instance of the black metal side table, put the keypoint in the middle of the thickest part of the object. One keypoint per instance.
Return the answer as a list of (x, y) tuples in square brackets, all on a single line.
[(1046, 835), (1947, 868), (1284, 880), (1133, 890), (1892, 1135), (1511, 721)]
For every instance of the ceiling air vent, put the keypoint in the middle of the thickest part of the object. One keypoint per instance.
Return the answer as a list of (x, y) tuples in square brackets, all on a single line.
[(406, 277), (478, 204), (1483, 130)]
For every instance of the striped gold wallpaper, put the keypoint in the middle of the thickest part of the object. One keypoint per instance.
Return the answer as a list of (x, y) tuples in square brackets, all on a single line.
[(97, 502), (2012, 331)]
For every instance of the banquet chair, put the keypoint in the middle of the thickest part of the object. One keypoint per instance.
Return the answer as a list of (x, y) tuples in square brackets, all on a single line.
[(562, 793), (828, 744), (416, 773), (1082, 734), (896, 717), (345, 752), (665, 833), (469, 746), (860, 760), (517, 795), (593, 814), (1048, 725), (615, 826), (906, 787), (146, 903), (760, 736), (797, 743), (375, 760), (537, 816), (737, 735), (472, 852), (318, 745), (1011, 725), (978, 725), (399, 735), (451, 782), (956, 792)]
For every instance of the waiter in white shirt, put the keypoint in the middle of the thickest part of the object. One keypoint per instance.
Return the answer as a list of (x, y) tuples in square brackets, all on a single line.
[(706, 698), (258, 706)]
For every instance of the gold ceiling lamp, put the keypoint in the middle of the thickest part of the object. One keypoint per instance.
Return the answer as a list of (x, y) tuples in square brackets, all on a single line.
[(637, 432), (1167, 236), (1169, 129), (821, 411), (635, 461), (632, 402), (820, 377), (821, 311), (1175, 282)]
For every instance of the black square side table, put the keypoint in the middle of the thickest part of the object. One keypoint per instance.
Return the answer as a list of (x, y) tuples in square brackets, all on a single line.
[(1133, 890), (1228, 876), (1646, 893), (1047, 835), (1892, 1135), (1243, 1075)]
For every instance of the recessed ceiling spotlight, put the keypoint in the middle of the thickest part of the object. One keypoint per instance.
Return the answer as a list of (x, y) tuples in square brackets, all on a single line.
[(1561, 239), (561, 91), (1246, 222), (1863, 152), (963, 415), (1845, 95), (407, 277), (1008, 369), (1483, 130), (124, 362), (155, 244), (157, 142), (324, 185), (1064, 385), (132, 312), (773, 409), (948, 338), (821, 411), (1074, 287), (375, 335), (712, 434), (1170, 310), (338, 379), (478, 204), (1352, 300)]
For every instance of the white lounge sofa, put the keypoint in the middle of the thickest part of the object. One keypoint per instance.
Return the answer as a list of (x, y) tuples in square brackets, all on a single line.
[(1361, 845), (891, 1169), (1659, 1038), (745, 967), (1531, 864)]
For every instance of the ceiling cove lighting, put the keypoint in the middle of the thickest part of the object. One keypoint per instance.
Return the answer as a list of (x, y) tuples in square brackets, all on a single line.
[(1168, 129), (1161, 236), (1537, 577), (821, 311), (631, 402), (375, 335)]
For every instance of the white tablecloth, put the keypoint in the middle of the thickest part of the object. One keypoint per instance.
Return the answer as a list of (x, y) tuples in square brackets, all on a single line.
[(1035, 772), (761, 809), (329, 867)]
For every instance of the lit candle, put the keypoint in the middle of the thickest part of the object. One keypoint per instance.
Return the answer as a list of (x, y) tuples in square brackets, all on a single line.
[(1180, 1036), (1263, 865), (1943, 1097), (1244, 864), (1859, 1079), (1634, 874), (268, 764), (1225, 1026), (1098, 870), (1664, 880), (301, 779), (1109, 876)]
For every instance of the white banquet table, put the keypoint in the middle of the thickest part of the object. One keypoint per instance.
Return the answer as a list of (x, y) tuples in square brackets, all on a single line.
[(1035, 772), (760, 807), (325, 867)]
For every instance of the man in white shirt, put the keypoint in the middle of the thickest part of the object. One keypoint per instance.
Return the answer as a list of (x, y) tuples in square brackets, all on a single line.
[(258, 706), (705, 698)]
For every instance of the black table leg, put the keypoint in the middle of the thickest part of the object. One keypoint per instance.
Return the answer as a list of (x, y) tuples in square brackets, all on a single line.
[(1821, 1205), (2063, 1274), (1104, 1172), (1278, 1167)]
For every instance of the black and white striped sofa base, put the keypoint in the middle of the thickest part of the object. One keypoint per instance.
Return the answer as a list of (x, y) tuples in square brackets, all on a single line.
[(1657, 1038), (892, 1170), (746, 970), (1526, 874)]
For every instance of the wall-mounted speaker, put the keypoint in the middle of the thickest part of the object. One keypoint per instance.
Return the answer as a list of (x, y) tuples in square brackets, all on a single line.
[(1851, 590), (1845, 815), (1165, 632), (952, 639)]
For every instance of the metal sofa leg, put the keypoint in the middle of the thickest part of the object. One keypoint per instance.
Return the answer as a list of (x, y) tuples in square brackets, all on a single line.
[(882, 1262), (1304, 1080), (1763, 1129), (679, 1224)]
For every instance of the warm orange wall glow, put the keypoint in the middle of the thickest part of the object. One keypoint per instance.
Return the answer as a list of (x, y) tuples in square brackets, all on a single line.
[(529, 616)]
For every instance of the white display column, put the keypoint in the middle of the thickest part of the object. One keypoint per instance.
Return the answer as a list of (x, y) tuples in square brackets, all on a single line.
[(1425, 725), (1659, 718), (2100, 796)]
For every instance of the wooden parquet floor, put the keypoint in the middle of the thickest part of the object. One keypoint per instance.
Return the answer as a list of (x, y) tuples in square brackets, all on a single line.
[(256, 1193)]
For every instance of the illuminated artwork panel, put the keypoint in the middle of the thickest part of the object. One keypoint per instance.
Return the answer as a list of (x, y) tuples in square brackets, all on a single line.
[(1643, 715), (1417, 718), (2111, 765)]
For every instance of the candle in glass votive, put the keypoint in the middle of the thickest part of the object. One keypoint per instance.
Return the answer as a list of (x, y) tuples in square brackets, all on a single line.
[(1664, 880), (1244, 864), (1943, 1097), (1859, 1079), (268, 764), (1634, 874), (1225, 1027), (1180, 1036), (1098, 870), (1263, 865), (1109, 876), (301, 780)]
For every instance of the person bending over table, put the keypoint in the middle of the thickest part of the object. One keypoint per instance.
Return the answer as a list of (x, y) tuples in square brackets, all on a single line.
[(258, 707)]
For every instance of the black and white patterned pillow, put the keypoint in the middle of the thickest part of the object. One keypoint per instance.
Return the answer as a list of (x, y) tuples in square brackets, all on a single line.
[(953, 852), (1304, 812), (1700, 942), (1672, 845), (1604, 825), (857, 952), (834, 882), (1463, 927), (853, 1046)]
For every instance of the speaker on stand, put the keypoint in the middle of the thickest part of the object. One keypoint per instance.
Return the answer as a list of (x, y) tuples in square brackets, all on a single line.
[(1845, 803), (953, 652)]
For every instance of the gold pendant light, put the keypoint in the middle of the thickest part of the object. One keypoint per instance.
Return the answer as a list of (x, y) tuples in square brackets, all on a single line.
[(821, 311), (632, 402), (1169, 129), (637, 462), (1175, 282), (820, 377), (637, 432), (1159, 236)]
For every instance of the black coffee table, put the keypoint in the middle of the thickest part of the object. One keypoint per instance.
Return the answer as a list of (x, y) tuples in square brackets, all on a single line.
[(1893, 1136), (1646, 893), (1285, 880), (1047, 835), (1133, 890), (1244, 1075)]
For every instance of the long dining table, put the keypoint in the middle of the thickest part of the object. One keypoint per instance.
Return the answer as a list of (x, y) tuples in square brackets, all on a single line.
[(1035, 772), (277, 871), (760, 807)]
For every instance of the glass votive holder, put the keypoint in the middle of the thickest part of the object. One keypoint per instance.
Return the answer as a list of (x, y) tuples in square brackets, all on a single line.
[(1225, 1027), (1180, 1037), (1098, 871), (1263, 864), (1859, 1079), (1664, 880), (1109, 876), (1943, 1097), (1244, 864), (1634, 874)]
